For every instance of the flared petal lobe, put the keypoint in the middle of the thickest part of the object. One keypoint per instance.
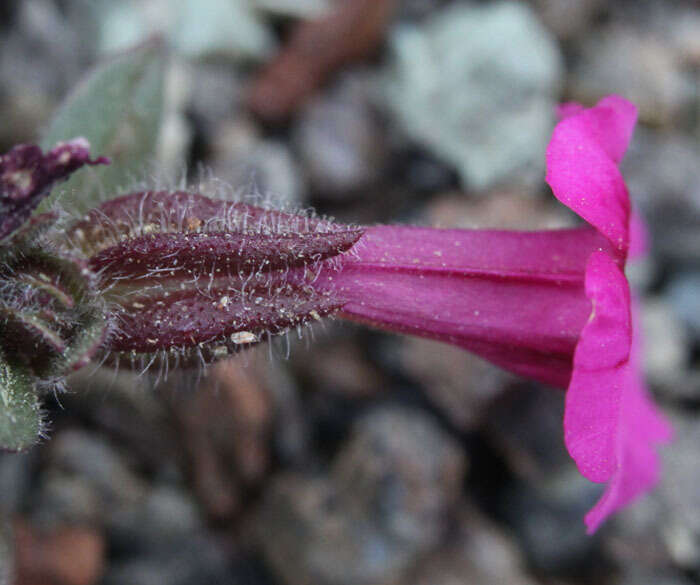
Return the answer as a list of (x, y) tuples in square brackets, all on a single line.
[(610, 123), (582, 165), (610, 427)]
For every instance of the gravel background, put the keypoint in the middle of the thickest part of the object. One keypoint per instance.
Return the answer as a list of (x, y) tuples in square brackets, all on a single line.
[(365, 458)]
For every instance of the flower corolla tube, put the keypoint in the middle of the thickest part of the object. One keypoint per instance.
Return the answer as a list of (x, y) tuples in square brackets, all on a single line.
[(551, 305)]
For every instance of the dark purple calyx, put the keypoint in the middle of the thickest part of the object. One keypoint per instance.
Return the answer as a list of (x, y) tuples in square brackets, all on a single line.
[(219, 320), (167, 255), (180, 212), (27, 175), (184, 271)]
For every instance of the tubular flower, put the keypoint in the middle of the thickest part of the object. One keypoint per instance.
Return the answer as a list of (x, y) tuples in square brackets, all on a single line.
[(551, 305), (184, 275)]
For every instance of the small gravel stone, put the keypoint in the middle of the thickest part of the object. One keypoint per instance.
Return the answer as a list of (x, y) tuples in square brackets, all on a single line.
[(225, 432), (461, 385), (197, 560), (546, 500), (94, 459), (72, 555), (665, 340), (65, 498), (679, 494), (476, 85), (500, 209), (386, 501), (480, 552), (7, 569), (339, 141), (252, 165), (15, 480), (639, 66), (637, 577), (661, 170), (164, 519), (568, 19), (684, 295), (400, 465)]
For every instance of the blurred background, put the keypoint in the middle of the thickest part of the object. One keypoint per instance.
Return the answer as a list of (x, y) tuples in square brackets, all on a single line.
[(365, 458)]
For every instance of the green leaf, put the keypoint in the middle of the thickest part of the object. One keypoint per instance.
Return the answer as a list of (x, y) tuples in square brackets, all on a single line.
[(118, 108), (20, 413)]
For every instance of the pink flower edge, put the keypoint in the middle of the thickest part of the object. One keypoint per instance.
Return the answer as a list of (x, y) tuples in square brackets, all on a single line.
[(611, 427), (582, 165)]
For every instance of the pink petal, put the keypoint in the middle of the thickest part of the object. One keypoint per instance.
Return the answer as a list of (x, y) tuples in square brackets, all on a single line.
[(557, 254), (606, 340), (610, 426), (641, 427), (515, 298), (611, 124), (582, 160)]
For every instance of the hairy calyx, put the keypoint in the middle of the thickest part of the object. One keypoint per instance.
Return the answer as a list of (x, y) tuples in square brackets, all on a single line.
[(184, 272)]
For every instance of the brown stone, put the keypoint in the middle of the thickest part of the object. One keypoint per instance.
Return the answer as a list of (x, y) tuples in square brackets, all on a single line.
[(504, 209), (316, 49), (69, 555), (340, 368), (225, 427), (479, 552), (461, 385)]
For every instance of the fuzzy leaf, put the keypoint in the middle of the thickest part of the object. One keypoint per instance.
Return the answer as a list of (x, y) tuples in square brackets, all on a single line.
[(20, 414), (117, 107)]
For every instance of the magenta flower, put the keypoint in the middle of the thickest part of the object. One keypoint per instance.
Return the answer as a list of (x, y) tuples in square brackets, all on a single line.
[(186, 276), (550, 305), (610, 425)]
